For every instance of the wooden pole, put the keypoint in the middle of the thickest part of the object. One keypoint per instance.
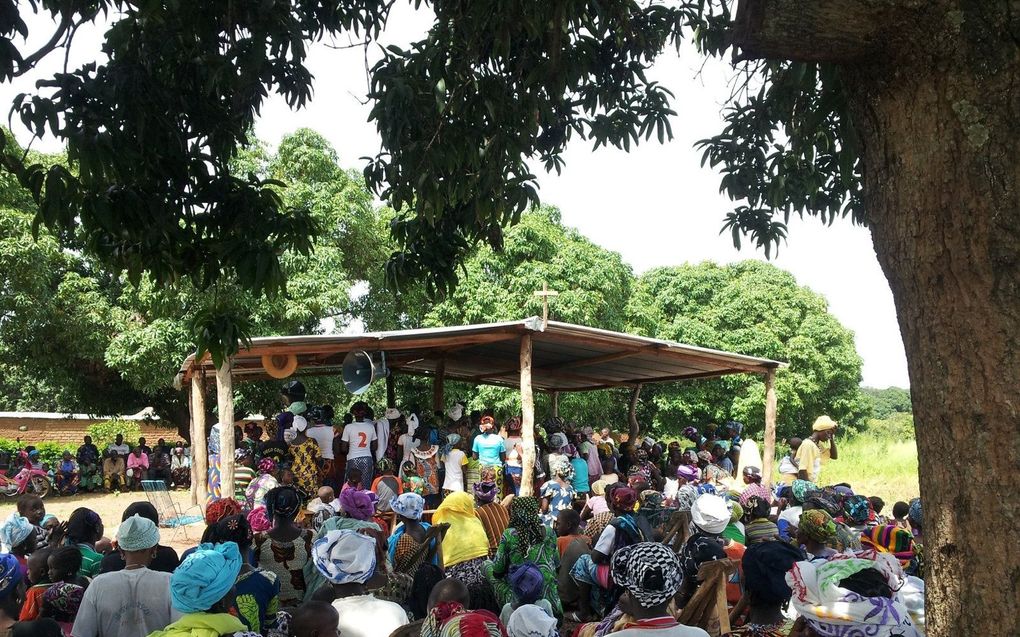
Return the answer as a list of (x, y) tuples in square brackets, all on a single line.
[(225, 408), (437, 387), (527, 419), (771, 407), (556, 404), (199, 448), (635, 428), (391, 392)]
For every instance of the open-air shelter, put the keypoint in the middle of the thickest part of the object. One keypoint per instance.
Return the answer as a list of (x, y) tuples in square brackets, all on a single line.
[(531, 354)]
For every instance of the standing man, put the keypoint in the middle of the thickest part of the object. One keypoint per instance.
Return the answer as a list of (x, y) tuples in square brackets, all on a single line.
[(359, 442), (382, 431), (119, 447), (811, 453), (320, 429)]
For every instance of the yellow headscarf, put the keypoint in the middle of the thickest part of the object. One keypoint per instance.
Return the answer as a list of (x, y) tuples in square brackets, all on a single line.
[(466, 538)]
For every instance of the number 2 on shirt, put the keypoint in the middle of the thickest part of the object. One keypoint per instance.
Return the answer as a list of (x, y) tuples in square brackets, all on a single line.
[(362, 439)]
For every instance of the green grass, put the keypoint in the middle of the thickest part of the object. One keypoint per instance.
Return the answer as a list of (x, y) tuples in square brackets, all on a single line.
[(876, 466)]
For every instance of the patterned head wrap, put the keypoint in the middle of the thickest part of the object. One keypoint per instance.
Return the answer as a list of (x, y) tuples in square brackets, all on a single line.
[(267, 465), (800, 489), (524, 519), (831, 609), (477, 623), (649, 571), (755, 490), (384, 465), (891, 539), (415, 485), (137, 534), (485, 492), (857, 510), (526, 582), (691, 434), (561, 468), (823, 501), (10, 574), (624, 499), (687, 472), (220, 509), (760, 530), (817, 525), (259, 521), (408, 505), (765, 565), (686, 496), (710, 513), (513, 425), (914, 512), (345, 557), (205, 577), (408, 469), (531, 621), (736, 511), (358, 504), (557, 441), (61, 601), (756, 508), (705, 456), (282, 501), (14, 531)]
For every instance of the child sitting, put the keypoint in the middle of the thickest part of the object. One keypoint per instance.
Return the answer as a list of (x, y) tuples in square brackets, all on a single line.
[(38, 577), (568, 529), (527, 585)]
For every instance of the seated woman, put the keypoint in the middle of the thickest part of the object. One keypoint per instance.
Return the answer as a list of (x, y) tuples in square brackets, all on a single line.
[(765, 590), (285, 548), (202, 590), (67, 475), (257, 590), (850, 596), (180, 468), (413, 542), (137, 468)]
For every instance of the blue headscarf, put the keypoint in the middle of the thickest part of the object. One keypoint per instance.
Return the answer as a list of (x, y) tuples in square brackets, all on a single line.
[(10, 574), (205, 577), (15, 530)]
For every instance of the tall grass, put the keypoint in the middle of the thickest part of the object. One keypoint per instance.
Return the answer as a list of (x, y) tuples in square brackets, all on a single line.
[(873, 465)]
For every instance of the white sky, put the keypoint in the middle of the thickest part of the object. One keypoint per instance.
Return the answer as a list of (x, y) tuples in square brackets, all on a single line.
[(655, 205)]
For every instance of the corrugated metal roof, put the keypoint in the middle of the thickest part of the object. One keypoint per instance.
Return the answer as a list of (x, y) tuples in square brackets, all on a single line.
[(565, 357)]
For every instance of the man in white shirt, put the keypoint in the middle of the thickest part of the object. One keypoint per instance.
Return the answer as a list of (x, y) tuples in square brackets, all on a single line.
[(321, 431), (454, 462), (120, 447), (382, 431), (359, 442), (133, 602)]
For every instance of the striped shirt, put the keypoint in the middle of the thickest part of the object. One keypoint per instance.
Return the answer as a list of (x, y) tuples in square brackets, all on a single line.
[(495, 518)]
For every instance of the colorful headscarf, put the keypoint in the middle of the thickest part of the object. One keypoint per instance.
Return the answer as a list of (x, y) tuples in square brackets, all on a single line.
[(755, 490), (259, 521), (205, 577), (282, 501), (358, 504), (467, 539), (14, 531), (624, 499), (233, 528), (760, 530), (477, 623), (857, 510), (560, 467), (345, 556), (891, 539), (817, 525), (705, 456), (415, 485), (557, 441), (267, 465), (531, 621), (765, 565), (61, 601), (137, 534), (384, 465), (914, 513), (525, 521), (485, 492), (513, 425), (688, 472), (220, 509), (10, 574), (686, 495), (800, 489), (710, 513), (756, 508), (408, 505), (831, 609), (823, 501), (526, 582), (691, 434), (649, 571)]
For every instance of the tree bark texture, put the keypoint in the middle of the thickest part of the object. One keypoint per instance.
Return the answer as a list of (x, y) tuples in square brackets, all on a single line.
[(527, 419), (939, 118), (225, 409)]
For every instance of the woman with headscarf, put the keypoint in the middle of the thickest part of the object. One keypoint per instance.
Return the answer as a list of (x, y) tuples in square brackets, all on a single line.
[(710, 516), (650, 574), (758, 527), (84, 529), (531, 621), (12, 592), (896, 541), (180, 468), (347, 560), (257, 590), (386, 485), (495, 517), (413, 542), (454, 459), (465, 546), (426, 464), (766, 593), (489, 449), (263, 483), (18, 537), (850, 596), (525, 540), (557, 494), (815, 531), (200, 589), (285, 548), (166, 559), (305, 452), (61, 602)]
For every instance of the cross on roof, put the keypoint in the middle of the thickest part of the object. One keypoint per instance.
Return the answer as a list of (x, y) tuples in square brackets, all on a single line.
[(545, 293)]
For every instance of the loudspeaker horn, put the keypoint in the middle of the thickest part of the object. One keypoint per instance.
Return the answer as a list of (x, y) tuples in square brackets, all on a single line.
[(359, 371)]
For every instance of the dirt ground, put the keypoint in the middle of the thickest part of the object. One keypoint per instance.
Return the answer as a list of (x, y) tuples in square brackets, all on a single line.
[(110, 507)]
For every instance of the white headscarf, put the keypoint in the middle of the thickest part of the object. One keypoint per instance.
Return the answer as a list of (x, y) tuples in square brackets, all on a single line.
[(345, 556), (710, 513), (531, 621)]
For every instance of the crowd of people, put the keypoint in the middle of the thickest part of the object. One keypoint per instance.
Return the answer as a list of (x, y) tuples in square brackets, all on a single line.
[(411, 525)]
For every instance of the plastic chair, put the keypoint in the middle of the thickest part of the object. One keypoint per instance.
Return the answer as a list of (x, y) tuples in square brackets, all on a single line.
[(170, 514)]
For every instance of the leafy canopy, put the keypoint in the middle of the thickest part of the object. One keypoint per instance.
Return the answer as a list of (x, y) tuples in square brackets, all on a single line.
[(459, 113)]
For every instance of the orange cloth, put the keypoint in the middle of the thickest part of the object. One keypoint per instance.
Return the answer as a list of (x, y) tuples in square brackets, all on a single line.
[(563, 542)]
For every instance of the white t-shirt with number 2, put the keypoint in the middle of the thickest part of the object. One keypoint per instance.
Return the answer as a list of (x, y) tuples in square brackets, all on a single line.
[(359, 437)]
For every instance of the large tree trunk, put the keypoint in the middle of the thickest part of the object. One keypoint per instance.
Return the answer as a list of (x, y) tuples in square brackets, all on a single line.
[(937, 105)]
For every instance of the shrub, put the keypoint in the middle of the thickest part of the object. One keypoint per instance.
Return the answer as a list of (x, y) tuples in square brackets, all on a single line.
[(104, 433)]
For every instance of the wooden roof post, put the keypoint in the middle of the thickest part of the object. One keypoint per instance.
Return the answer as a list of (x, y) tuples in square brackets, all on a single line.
[(527, 419), (437, 388), (556, 404), (225, 411), (771, 407), (391, 392), (199, 462), (635, 427)]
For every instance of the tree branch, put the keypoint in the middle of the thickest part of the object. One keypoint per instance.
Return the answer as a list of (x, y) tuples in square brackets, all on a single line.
[(29, 62), (837, 31)]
